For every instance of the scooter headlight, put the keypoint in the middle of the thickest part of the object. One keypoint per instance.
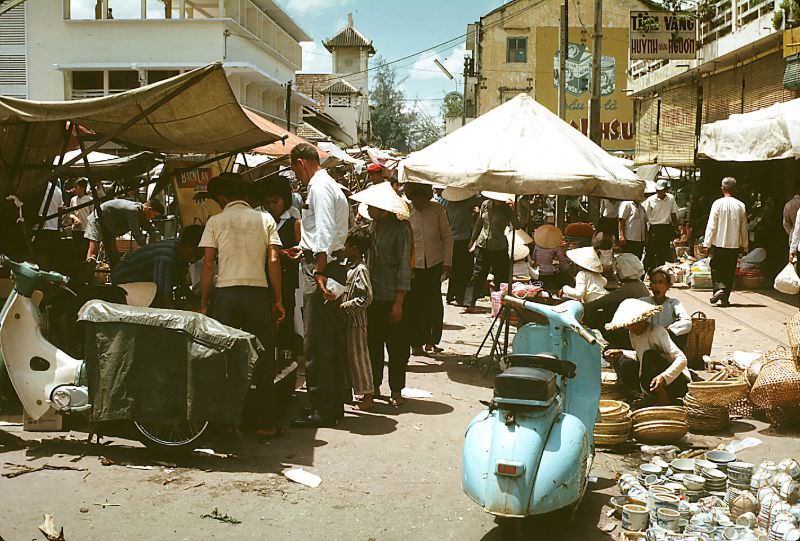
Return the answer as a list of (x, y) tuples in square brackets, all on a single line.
[(61, 399)]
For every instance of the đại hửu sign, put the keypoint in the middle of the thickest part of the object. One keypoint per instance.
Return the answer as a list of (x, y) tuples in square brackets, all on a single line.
[(663, 35)]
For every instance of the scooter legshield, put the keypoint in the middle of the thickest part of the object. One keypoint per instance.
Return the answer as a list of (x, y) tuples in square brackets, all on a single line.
[(561, 478), (489, 440)]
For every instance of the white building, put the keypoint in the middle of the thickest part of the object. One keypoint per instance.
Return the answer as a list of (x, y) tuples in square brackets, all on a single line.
[(344, 93), (72, 49)]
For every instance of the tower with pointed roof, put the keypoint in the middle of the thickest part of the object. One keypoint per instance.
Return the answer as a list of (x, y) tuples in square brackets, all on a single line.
[(350, 52)]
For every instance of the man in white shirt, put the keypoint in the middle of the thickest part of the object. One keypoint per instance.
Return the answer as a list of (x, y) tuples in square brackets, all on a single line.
[(245, 242), (324, 226), (726, 236), (79, 218), (662, 217), (632, 221), (46, 236), (609, 214)]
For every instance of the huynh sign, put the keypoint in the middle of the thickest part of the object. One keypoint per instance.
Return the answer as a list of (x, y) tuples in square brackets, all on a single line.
[(662, 35)]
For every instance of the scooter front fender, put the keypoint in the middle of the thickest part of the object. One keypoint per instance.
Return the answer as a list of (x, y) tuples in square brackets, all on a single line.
[(490, 440)]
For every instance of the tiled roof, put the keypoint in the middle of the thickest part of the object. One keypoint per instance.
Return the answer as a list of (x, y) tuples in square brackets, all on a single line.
[(349, 37), (339, 87), (310, 133)]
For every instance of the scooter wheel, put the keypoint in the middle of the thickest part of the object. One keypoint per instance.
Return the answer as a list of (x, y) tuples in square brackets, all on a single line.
[(511, 529), (178, 435)]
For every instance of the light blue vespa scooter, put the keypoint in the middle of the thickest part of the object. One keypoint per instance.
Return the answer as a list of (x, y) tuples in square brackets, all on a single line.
[(530, 453)]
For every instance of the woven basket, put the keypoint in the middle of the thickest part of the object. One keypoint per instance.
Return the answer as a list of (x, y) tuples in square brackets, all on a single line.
[(602, 440), (719, 393), (742, 409), (783, 417), (700, 339), (663, 413), (705, 418), (793, 331), (613, 429), (660, 432), (777, 385)]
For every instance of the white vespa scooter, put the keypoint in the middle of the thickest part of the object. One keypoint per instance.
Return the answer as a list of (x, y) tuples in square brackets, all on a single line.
[(44, 376)]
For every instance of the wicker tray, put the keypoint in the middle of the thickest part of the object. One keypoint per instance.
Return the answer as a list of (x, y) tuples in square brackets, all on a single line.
[(793, 331), (719, 393), (664, 413), (660, 432)]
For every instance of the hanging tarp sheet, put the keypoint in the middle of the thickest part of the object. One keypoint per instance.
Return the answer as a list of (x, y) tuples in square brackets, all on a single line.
[(279, 148), (772, 133), (196, 113), (114, 168), (158, 365), (521, 147), (677, 131)]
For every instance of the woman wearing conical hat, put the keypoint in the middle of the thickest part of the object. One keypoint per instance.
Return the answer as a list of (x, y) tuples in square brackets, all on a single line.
[(590, 284), (659, 370)]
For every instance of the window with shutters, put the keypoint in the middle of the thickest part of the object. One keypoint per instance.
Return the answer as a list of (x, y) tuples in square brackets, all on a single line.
[(87, 84), (13, 63), (517, 50)]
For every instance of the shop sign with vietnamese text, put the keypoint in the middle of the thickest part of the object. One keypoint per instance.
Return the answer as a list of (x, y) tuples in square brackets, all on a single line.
[(662, 35)]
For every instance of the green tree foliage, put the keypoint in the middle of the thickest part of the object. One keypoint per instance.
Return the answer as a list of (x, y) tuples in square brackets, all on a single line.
[(453, 105), (394, 124)]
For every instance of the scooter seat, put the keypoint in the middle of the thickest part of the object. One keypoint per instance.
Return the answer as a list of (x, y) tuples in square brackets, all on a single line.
[(525, 383)]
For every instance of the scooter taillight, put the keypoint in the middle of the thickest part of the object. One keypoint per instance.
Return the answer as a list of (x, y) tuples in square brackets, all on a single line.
[(511, 469)]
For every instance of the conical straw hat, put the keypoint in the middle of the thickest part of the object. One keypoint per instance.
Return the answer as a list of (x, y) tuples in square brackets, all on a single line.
[(631, 311), (498, 196), (363, 211), (548, 236), (384, 197), (628, 266), (586, 258), (521, 251)]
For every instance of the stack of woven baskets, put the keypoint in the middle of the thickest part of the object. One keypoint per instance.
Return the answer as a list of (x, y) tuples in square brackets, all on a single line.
[(659, 425), (609, 390), (707, 402), (776, 384), (613, 425)]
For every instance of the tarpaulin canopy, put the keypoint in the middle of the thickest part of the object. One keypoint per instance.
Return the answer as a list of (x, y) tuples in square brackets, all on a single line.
[(772, 133), (112, 167), (195, 112), (521, 147), (279, 148)]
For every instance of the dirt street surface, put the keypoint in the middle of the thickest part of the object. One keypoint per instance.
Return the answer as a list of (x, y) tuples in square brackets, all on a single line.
[(391, 474)]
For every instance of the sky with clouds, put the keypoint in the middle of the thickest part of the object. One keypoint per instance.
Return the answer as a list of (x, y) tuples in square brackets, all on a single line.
[(397, 29)]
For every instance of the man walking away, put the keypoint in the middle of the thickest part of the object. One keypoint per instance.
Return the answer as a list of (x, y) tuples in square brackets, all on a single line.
[(726, 236), (609, 215), (245, 242), (662, 215), (790, 211), (632, 227), (324, 226), (460, 207)]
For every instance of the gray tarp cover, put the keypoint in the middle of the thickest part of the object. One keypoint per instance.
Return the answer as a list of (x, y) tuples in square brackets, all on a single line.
[(202, 116), (165, 365)]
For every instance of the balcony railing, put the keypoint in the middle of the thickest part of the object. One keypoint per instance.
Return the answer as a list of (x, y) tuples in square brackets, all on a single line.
[(95, 93), (721, 19), (251, 17)]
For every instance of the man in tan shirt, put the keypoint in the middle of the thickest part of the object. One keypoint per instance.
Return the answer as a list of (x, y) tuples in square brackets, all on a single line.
[(244, 242)]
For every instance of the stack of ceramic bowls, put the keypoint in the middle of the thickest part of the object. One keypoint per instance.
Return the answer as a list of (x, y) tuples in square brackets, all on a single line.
[(721, 459), (695, 486), (701, 464), (682, 466), (716, 482), (766, 503), (649, 474), (740, 475), (790, 466)]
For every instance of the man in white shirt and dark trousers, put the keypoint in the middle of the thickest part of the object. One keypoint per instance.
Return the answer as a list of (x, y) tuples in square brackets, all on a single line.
[(632, 227), (245, 242), (609, 214), (324, 226), (726, 236), (662, 217)]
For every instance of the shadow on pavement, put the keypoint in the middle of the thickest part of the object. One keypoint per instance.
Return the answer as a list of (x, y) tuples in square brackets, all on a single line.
[(452, 327)]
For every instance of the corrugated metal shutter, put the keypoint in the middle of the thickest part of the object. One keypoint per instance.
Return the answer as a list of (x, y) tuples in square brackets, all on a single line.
[(677, 126), (722, 95), (763, 83), (13, 62), (646, 113)]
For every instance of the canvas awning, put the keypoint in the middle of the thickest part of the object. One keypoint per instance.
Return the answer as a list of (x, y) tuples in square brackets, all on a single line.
[(521, 147), (772, 133), (114, 167), (195, 112), (279, 148)]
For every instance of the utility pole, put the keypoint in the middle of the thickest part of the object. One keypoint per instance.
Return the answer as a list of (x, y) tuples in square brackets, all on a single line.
[(594, 102), (597, 56), (563, 48), (289, 106)]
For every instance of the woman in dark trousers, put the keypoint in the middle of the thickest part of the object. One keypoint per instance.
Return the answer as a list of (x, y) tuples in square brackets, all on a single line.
[(490, 244), (276, 198)]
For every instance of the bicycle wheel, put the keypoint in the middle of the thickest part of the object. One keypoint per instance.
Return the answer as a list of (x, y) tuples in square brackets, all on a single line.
[(171, 435)]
